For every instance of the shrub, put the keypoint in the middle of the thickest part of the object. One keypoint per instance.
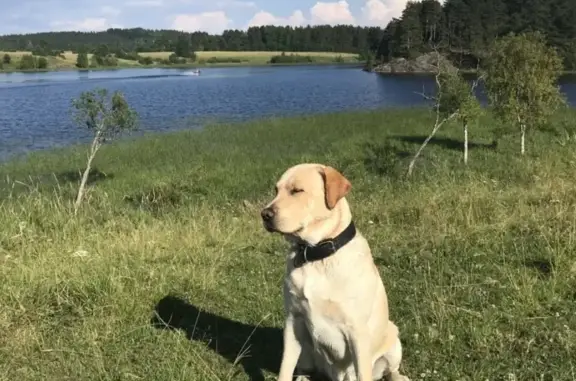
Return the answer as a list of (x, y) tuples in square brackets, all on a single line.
[(292, 58), (28, 62), (146, 61), (176, 60), (42, 63), (216, 60)]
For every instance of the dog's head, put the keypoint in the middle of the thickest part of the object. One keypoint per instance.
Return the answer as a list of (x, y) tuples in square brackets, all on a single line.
[(306, 195)]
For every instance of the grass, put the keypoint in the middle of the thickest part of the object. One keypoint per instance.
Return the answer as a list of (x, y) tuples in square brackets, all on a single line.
[(246, 58), (478, 263)]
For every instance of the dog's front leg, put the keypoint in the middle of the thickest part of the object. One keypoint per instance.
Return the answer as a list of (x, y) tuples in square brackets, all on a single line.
[(360, 345), (291, 351)]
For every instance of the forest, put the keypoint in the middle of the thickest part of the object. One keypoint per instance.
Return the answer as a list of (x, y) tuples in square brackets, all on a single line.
[(463, 29), (322, 38)]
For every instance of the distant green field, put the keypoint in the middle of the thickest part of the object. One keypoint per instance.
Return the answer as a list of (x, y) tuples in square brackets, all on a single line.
[(478, 262), (203, 58)]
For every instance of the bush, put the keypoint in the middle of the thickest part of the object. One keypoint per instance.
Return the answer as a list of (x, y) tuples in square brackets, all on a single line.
[(174, 59), (216, 60), (108, 60), (146, 61), (292, 58), (133, 56), (28, 62), (42, 63), (7, 59)]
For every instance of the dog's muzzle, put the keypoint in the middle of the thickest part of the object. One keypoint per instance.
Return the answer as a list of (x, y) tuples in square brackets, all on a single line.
[(268, 215)]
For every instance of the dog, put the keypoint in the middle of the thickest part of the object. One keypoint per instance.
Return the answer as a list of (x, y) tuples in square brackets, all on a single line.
[(336, 307)]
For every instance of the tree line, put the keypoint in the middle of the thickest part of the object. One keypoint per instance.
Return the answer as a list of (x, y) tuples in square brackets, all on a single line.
[(322, 38), (464, 29)]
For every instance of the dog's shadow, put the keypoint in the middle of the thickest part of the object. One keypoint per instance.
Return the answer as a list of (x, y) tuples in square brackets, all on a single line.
[(256, 348)]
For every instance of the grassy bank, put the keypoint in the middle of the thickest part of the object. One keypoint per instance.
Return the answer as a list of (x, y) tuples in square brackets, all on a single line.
[(479, 264), (204, 59)]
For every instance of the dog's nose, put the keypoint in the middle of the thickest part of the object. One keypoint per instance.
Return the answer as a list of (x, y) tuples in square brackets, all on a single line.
[(267, 214)]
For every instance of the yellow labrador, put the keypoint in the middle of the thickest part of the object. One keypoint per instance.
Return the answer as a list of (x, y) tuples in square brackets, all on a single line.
[(336, 306)]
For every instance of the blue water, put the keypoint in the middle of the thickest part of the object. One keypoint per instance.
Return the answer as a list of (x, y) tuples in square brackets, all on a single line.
[(35, 107)]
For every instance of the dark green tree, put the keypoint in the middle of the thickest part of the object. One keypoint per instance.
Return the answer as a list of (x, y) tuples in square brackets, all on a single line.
[(183, 47), (6, 59), (82, 61)]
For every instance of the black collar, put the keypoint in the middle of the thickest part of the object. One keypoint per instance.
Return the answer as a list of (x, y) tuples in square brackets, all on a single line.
[(324, 248)]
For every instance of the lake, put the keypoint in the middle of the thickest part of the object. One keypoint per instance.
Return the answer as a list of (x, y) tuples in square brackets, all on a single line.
[(35, 107)]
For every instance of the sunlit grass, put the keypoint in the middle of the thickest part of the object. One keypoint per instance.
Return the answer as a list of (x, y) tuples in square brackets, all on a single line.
[(479, 263)]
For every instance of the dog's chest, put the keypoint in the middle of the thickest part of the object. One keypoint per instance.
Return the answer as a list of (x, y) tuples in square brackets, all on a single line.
[(312, 295)]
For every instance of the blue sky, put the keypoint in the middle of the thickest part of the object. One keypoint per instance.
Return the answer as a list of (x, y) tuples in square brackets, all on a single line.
[(28, 16)]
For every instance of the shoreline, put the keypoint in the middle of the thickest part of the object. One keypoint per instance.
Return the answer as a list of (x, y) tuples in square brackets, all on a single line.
[(181, 66), (430, 73)]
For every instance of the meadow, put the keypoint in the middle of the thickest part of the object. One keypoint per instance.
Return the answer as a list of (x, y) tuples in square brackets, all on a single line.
[(204, 58), (478, 262)]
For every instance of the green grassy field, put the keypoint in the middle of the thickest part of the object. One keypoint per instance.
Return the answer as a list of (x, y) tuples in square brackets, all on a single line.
[(479, 263), (246, 58)]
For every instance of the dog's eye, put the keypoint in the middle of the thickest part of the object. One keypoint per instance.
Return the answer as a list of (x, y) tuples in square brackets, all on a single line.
[(296, 190)]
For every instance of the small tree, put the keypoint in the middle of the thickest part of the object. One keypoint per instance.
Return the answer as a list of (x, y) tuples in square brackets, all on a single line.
[(82, 61), (522, 81), (7, 59), (442, 114), (457, 97), (184, 47), (107, 117)]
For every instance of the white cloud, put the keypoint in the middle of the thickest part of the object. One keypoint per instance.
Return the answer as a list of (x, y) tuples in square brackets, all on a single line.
[(380, 12), (90, 24), (211, 22), (331, 13), (145, 3), (266, 18)]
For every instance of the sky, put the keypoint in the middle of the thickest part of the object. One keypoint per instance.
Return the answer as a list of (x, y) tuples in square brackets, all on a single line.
[(213, 16)]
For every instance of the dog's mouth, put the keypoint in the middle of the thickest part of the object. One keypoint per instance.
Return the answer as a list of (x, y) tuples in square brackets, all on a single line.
[(269, 226)]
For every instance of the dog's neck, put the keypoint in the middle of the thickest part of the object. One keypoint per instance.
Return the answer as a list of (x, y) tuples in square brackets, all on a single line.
[(325, 229)]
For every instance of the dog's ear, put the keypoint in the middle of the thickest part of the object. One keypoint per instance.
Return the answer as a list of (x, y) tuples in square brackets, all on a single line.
[(336, 186)]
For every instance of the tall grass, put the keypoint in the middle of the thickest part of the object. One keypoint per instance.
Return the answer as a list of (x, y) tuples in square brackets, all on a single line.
[(478, 262)]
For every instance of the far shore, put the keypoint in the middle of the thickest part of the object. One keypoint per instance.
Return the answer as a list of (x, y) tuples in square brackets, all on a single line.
[(242, 58), (180, 66)]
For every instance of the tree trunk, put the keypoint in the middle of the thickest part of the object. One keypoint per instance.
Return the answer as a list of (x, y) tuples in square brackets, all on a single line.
[(523, 138), (82, 189), (465, 143), (436, 128)]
